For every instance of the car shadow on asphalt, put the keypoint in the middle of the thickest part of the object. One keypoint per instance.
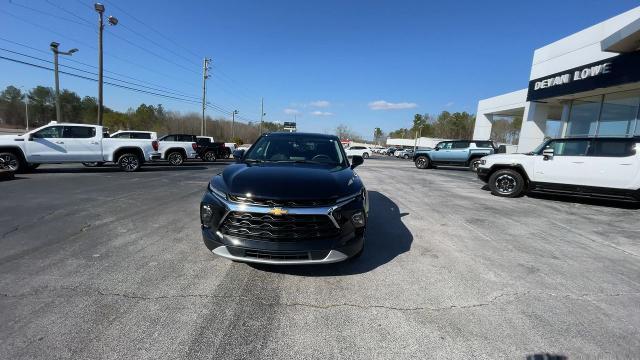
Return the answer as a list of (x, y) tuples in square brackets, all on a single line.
[(113, 169), (386, 238)]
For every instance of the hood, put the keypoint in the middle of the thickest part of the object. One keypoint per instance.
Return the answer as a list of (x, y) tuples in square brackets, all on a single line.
[(288, 181), (10, 137)]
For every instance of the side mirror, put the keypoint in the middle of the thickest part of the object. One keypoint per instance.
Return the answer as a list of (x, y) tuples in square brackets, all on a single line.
[(547, 153), (437, 149), (356, 160), (30, 137), (238, 154)]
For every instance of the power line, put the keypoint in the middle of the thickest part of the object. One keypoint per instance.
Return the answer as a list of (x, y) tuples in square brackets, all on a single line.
[(152, 29), (106, 82), (85, 64), (69, 12), (47, 14), (107, 77), (219, 74), (91, 46), (209, 104), (151, 52)]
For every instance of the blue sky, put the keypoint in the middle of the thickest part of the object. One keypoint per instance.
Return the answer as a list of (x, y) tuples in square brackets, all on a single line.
[(365, 64)]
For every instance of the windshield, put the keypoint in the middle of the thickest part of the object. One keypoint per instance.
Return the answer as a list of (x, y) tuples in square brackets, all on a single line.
[(296, 149)]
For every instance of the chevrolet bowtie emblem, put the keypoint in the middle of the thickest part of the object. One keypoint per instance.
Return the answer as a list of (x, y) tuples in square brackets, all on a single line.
[(278, 211)]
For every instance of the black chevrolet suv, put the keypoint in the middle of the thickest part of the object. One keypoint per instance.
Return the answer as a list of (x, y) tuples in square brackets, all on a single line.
[(292, 198)]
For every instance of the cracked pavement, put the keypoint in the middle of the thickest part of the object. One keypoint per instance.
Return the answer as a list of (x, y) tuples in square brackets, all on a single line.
[(107, 265)]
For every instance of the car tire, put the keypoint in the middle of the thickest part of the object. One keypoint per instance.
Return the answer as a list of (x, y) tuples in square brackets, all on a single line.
[(365, 155), (209, 156), (13, 162), (422, 162), (473, 164), (129, 162), (406, 157), (175, 158), (93, 164), (506, 183)]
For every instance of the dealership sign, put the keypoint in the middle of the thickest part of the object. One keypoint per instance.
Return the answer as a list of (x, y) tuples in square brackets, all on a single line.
[(618, 70)]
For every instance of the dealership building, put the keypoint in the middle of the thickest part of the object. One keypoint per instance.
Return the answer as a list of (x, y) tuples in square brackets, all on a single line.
[(586, 84)]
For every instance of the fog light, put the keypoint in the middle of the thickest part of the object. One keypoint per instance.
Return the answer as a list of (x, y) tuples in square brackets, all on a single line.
[(206, 213), (358, 219)]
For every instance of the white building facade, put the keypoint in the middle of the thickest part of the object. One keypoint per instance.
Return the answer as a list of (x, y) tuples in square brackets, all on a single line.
[(586, 84)]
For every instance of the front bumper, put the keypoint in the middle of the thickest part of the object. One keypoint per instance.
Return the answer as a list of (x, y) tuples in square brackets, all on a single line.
[(155, 156), (348, 242), (483, 173)]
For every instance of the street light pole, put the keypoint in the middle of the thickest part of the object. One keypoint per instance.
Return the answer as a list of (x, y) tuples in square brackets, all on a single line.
[(26, 109), (54, 47), (261, 113), (112, 21), (233, 124)]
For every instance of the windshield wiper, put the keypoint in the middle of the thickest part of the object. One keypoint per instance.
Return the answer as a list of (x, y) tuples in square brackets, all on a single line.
[(253, 160)]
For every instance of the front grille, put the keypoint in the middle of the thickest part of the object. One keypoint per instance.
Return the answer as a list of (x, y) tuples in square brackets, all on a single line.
[(282, 203), (278, 228)]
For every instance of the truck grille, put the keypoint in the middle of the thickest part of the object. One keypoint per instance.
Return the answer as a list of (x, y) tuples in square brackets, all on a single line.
[(278, 228), (282, 203)]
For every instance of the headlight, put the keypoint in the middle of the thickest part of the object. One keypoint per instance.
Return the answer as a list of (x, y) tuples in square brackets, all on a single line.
[(217, 192), (206, 213)]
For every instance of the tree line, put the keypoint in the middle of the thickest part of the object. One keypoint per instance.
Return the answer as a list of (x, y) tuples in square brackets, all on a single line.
[(446, 125), (457, 125), (73, 108)]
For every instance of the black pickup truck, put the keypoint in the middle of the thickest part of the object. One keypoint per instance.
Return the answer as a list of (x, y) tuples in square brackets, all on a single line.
[(209, 150)]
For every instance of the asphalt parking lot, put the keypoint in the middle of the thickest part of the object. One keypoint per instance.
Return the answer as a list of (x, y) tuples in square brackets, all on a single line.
[(101, 264)]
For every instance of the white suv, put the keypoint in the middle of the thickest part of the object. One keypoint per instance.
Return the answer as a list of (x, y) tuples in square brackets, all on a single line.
[(592, 167), (363, 151)]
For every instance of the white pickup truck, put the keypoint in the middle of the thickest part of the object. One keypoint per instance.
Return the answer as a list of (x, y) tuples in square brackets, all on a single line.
[(74, 143), (175, 148)]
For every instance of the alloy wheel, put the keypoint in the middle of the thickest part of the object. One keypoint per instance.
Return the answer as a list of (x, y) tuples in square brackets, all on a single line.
[(175, 159), (10, 162), (506, 184), (129, 163)]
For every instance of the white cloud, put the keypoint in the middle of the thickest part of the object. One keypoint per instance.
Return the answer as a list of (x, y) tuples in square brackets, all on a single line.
[(385, 105), (290, 111), (320, 103), (449, 104), (321, 113)]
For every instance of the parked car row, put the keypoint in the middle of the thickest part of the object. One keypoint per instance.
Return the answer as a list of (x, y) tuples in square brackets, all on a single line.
[(92, 146)]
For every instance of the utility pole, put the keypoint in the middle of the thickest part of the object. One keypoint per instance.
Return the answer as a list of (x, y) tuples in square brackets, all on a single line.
[(112, 21), (54, 47), (205, 76), (26, 109), (233, 124), (261, 113)]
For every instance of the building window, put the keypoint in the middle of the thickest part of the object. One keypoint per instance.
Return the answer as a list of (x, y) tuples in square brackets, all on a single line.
[(619, 112), (583, 117), (614, 114)]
